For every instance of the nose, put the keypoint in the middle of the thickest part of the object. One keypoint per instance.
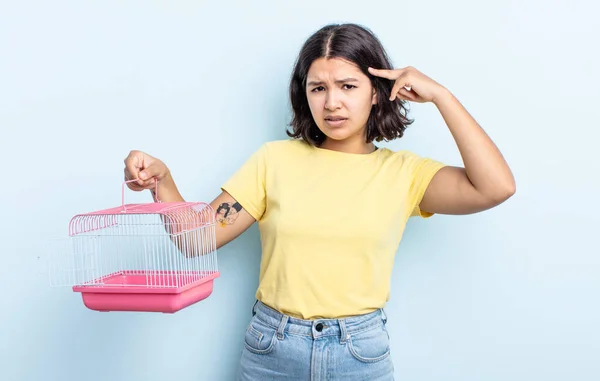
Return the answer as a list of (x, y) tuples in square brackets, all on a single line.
[(332, 102)]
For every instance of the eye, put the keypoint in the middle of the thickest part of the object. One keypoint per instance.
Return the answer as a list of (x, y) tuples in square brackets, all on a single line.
[(319, 88), (348, 87)]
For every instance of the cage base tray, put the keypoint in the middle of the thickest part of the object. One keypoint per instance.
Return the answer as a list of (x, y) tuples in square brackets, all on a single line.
[(141, 299)]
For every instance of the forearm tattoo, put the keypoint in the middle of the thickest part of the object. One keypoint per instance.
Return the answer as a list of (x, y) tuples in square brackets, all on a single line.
[(227, 213)]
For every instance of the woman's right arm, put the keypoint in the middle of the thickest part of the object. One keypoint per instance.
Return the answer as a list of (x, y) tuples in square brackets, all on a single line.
[(145, 168)]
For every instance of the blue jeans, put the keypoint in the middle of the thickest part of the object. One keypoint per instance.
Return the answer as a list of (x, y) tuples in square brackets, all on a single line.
[(280, 347)]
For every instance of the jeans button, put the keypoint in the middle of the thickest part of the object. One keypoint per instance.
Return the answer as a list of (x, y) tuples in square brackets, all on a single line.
[(319, 327)]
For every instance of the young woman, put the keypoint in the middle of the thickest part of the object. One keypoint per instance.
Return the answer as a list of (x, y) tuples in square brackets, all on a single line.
[(332, 206)]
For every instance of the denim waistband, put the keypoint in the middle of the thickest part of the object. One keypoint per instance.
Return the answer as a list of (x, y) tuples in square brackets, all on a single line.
[(342, 327)]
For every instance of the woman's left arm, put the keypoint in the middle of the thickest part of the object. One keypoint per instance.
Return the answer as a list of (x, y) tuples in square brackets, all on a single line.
[(486, 179)]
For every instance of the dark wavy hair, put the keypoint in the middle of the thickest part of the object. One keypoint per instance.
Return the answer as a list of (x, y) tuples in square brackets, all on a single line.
[(358, 45)]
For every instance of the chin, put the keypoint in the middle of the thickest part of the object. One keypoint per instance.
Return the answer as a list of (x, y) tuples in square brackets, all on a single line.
[(336, 133)]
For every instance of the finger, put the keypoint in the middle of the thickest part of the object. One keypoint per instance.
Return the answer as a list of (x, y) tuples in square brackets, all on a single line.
[(132, 167), (131, 185), (137, 185), (138, 162), (149, 174), (407, 95), (402, 97), (128, 176), (400, 83), (384, 73), (133, 161)]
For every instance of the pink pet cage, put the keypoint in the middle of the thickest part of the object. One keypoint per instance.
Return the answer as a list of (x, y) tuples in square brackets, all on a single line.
[(155, 257)]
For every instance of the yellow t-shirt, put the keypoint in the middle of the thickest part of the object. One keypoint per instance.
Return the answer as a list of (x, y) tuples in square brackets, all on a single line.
[(330, 223)]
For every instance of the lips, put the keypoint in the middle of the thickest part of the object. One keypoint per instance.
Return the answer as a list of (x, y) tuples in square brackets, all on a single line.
[(334, 118), (335, 121)]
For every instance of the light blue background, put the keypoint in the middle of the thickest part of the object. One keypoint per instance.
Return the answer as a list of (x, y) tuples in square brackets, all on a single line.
[(510, 294)]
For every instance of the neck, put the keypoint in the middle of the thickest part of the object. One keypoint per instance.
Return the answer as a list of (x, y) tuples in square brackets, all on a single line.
[(358, 146)]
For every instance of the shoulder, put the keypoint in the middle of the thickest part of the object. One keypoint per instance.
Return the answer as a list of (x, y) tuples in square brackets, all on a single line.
[(400, 157), (409, 161)]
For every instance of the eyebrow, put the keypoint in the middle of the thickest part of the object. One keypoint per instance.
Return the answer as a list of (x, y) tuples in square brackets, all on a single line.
[(316, 83)]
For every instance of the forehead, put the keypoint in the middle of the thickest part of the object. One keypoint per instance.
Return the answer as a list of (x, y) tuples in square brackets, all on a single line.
[(334, 68)]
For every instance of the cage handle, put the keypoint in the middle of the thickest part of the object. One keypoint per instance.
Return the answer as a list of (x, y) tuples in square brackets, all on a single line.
[(130, 181)]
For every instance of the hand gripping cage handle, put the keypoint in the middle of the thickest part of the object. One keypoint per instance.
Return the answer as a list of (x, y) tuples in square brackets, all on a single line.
[(131, 181)]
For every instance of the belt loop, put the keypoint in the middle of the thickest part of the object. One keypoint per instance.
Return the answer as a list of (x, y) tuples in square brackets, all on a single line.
[(254, 308), (383, 316), (281, 329), (343, 333)]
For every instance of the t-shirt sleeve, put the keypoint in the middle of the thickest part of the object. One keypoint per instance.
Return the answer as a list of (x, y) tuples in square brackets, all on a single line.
[(422, 171), (247, 184)]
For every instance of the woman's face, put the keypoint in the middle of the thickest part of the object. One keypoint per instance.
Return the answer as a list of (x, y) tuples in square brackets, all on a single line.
[(340, 98)]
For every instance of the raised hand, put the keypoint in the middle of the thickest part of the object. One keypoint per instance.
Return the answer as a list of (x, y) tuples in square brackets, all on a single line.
[(410, 84), (145, 168)]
